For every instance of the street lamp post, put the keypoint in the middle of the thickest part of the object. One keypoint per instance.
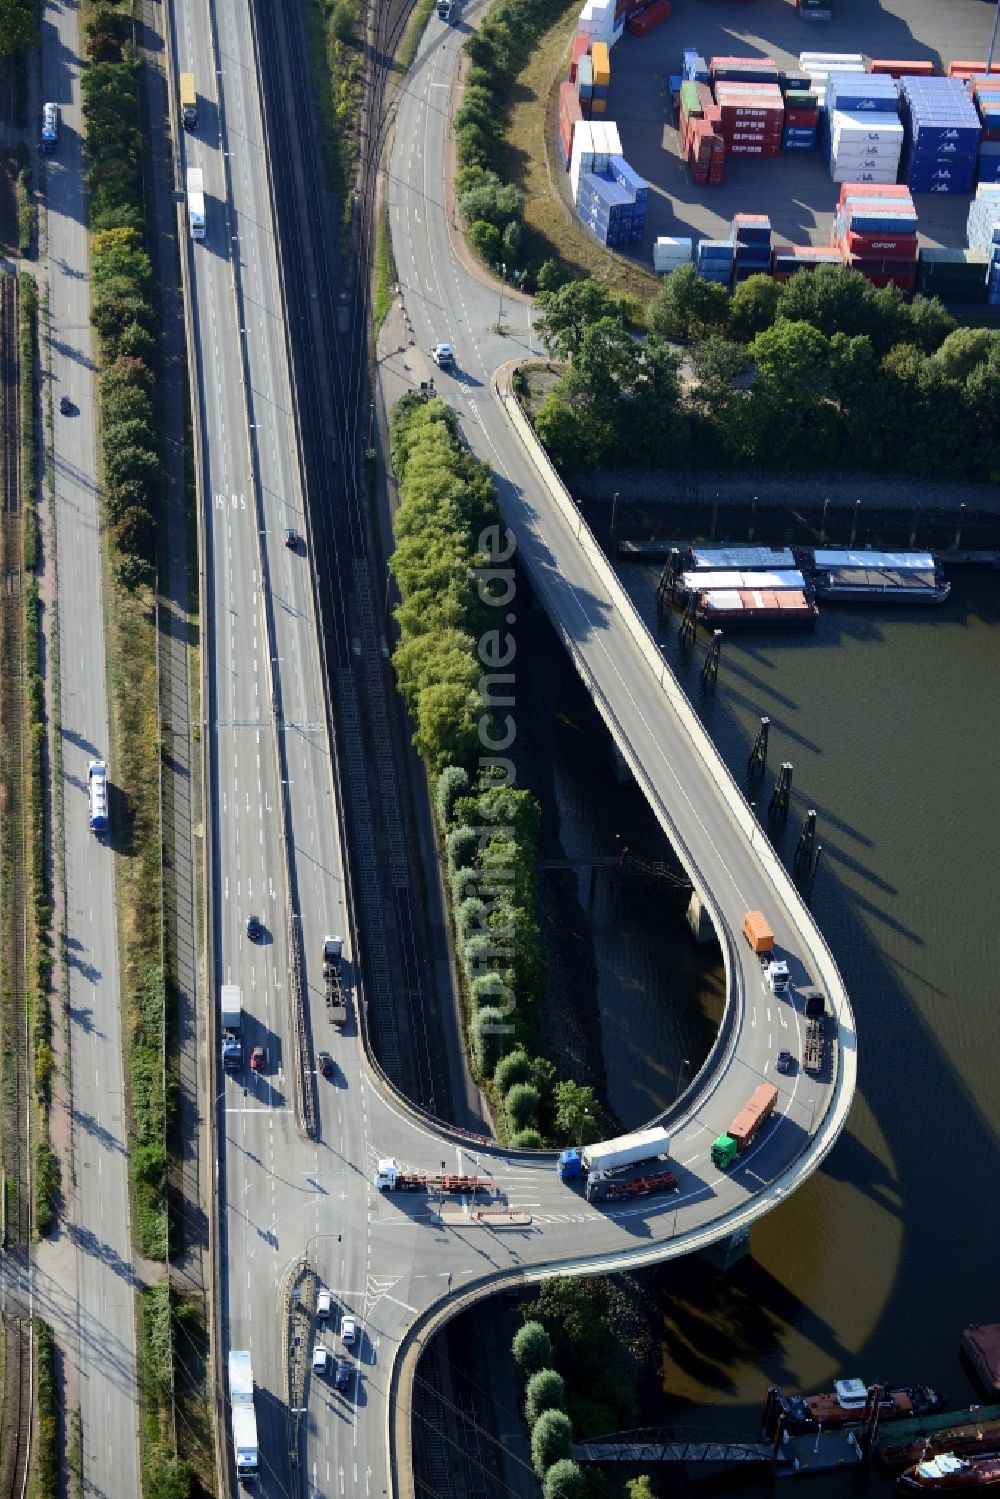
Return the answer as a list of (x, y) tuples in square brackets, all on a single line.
[(614, 504), (681, 1073), (993, 39), (503, 279)]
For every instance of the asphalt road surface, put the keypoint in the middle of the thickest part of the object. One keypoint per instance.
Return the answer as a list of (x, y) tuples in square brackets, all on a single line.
[(84, 1282), (282, 1196)]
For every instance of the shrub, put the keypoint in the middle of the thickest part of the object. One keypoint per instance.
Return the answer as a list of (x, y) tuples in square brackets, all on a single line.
[(515, 1067), (492, 1035), (532, 1348), (174, 1479), (470, 916), (527, 1139), (550, 1440), (485, 239), (464, 885), (478, 955), (46, 1186), (546, 1390), (487, 989), (564, 1480), (462, 845), (521, 1104)]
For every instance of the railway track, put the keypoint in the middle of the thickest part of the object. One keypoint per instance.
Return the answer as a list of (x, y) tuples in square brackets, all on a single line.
[(16, 1080), (329, 356)]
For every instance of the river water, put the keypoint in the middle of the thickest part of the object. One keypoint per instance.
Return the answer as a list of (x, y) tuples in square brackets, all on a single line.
[(891, 718)]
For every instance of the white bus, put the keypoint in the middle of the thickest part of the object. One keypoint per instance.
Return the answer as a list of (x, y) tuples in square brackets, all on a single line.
[(97, 785)]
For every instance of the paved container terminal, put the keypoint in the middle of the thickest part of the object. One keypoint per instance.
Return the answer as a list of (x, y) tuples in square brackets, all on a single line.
[(794, 189)]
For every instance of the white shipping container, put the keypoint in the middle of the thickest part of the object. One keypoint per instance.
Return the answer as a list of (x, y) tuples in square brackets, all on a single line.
[(852, 174)]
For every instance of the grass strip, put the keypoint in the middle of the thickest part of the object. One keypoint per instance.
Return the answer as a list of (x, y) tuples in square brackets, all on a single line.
[(164, 1475), (385, 269), (419, 17)]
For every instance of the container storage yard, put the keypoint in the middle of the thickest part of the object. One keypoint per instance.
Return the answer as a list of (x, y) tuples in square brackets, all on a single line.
[(745, 120)]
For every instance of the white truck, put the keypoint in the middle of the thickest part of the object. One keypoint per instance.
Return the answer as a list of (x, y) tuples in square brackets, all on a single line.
[(196, 202), (609, 1156), (244, 1416), (231, 1002)]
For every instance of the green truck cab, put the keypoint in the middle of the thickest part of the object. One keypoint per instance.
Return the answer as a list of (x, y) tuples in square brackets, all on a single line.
[(724, 1152)]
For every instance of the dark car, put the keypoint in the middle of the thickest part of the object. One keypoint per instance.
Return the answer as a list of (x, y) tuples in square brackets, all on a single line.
[(325, 1063), (785, 1062), (66, 406), (258, 1059), (341, 1374), (292, 538), (253, 928)]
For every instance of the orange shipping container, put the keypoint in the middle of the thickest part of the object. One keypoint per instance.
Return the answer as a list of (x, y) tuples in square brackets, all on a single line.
[(602, 63), (750, 1118), (757, 932), (962, 69)]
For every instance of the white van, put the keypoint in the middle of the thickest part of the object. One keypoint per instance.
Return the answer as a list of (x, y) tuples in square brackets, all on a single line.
[(324, 1303)]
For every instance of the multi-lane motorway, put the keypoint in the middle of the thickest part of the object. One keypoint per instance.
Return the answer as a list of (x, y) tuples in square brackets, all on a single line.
[(275, 849), (276, 844)]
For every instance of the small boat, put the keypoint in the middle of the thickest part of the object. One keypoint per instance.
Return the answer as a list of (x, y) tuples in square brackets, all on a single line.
[(846, 1405), (946, 1471)]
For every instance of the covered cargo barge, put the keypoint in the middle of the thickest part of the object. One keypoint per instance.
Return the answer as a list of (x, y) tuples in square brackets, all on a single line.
[(877, 577)]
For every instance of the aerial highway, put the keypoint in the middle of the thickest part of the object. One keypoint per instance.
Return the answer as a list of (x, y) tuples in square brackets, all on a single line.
[(83, 1278), (289, 1187)]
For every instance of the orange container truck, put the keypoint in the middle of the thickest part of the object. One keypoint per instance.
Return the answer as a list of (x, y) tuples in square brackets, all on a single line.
[(758, 933), (745, 1126)]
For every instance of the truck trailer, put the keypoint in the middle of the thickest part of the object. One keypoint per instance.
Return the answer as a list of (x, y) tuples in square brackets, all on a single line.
[(390, 1177), (244, 1416), (231, 1004), (196, 202), (610, 1156), (745, 1126), (189, 101), (609, 1186), (336, 1005)]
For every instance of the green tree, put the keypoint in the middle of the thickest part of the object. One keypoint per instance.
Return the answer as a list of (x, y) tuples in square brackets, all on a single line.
[(753, 307), (521, 1104), (688, 307), (532, 1348), (641, 1487), (794, 361), (492, 1035), (564, 1480), (172, 1479), (573, 308), (447, 724), (545, 1391), (111, 108), (462, 845), (515, 1067), (576, 1113), (963, 350), (563, 433), (550, 276), (718, 361), (929, 323), (527, 1139), (487, 990), (452, 782), (18, 27), (550, 1440), (486, 240), (135, 533)]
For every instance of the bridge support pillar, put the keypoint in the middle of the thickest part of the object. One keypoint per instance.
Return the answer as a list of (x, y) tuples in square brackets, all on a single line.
[(728, 1252), (699, 920)]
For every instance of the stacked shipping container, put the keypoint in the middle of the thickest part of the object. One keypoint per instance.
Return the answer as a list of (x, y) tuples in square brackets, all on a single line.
[(862, 131), (984, 235), (751, 236), (875, 230), (943, 133)]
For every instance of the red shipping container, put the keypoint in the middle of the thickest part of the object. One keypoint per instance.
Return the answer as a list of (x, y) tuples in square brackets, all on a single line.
[(959, 69), (923, 69), (880, 244), (569, 104), (801, 116), (641, 24), (581, 47), (566, 140), (874, 190)]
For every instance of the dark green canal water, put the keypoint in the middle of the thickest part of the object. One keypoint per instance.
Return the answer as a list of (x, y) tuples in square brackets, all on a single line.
[(891, 718)]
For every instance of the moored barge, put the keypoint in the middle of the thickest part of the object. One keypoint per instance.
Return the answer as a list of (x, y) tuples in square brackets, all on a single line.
[(850, 1403), (948, 1471), (878, 577)]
